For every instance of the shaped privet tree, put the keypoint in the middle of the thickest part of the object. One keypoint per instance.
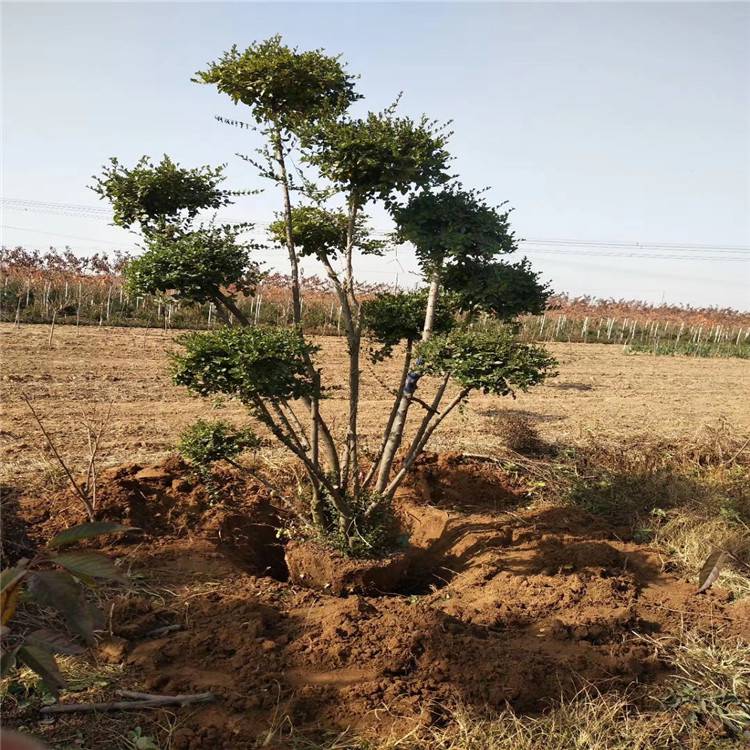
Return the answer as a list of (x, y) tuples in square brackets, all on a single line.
[(299, 103), (187, 260)]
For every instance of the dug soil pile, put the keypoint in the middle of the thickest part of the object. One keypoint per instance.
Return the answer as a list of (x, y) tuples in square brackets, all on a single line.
[(503, 604)]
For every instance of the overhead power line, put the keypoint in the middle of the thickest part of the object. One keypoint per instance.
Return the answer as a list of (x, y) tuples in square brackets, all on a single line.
[(641, 245), (561, 246), (66, 209), (71, 236)]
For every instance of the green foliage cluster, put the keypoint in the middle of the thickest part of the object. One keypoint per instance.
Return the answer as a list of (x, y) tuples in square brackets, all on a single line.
[(504, 290), (451, 225), (282, 85), (321, 233), (194, 266), (245, 362), (157, 196), (489, 362), (392, 317), (380, 156), (55, 579), (204, 443)]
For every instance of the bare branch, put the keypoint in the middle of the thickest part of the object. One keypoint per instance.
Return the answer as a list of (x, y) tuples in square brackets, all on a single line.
[(393, 486), (84, 498), (392, 416), (155, 701)]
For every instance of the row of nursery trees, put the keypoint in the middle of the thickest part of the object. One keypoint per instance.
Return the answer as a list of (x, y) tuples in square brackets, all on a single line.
[(299, 101)]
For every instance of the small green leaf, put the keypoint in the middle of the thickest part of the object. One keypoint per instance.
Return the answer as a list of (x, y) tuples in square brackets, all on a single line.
[(88, 565), (86, 531), (7, 661), (43, 663)]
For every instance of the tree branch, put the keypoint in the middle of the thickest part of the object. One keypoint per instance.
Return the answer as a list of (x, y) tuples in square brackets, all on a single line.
[(155, 701), (90, 511), (393, 486), (230, 304), (392, 415), (293, 259), (336, 497)]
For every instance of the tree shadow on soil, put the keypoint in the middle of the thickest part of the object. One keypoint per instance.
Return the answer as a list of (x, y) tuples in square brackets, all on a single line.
[(16, 542), (627, 498)]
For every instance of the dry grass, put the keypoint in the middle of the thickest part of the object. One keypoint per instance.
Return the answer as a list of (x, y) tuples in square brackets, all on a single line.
[(689, 497), (519, 433), (689, 537), (589, 722), (86, 678), (711, 683), (601, 391)]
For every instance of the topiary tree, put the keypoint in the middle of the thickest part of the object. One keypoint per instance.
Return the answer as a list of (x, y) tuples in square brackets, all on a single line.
[(205, 265), (197, 264), (299, 102), (159, 197)]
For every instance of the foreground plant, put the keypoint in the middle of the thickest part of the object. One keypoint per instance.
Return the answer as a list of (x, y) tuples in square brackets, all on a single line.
[(711, 681), (299, 102), (54, 579)]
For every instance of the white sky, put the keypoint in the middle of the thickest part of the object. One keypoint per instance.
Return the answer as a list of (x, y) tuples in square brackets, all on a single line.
[(615, 122)]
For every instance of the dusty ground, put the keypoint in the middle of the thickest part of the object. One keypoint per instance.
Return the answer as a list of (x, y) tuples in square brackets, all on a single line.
[(503, 604), (599, 390), (506, 602)]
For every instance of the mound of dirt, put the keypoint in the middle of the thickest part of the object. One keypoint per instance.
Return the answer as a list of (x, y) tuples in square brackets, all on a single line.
[(448, 479), (315, 567), (504, 604)]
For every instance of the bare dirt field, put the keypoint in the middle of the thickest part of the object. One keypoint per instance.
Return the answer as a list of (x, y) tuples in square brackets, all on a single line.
[(600, 390), (510, 602)]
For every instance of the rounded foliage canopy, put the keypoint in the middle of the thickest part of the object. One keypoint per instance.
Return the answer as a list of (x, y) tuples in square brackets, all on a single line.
[(246, 363), (321, 233), (194, 266), (502, 289), (458, 235), (380, 155), (205, 442), (392, 317), (452, 225), (283, 86), (157, 196), (489, 361)]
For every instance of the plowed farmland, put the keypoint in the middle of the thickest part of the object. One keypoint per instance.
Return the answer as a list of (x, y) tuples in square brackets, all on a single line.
[(539, 588)]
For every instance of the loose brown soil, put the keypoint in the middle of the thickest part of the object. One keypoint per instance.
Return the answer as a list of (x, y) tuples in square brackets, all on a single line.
[(502, 603)]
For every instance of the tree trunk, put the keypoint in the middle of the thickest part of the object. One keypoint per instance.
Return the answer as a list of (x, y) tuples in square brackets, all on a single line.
[(432, 298), (397, 430), (325, 434), (409, 461), (354, 337), (231, 305), (293, 260), (392, 415)]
